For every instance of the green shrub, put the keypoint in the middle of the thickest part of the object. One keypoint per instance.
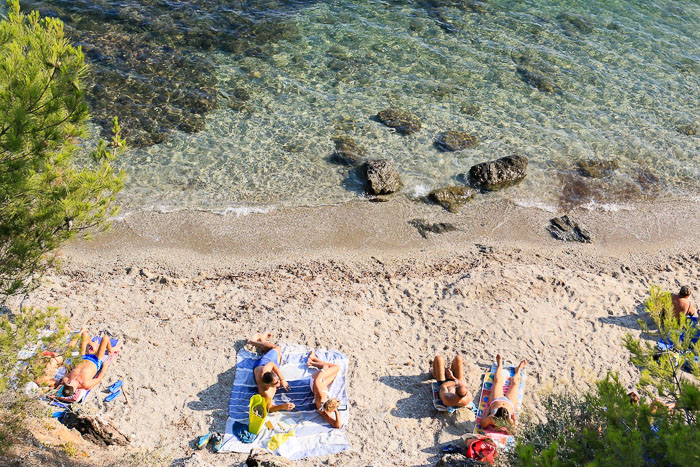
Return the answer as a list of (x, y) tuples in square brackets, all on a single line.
[(44, 198)]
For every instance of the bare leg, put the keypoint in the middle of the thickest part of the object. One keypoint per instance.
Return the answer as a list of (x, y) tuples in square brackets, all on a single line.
[(105, 346), (261, 342), (514, 384), (499, 379), (84, 341), (457, 367), (439, 368)]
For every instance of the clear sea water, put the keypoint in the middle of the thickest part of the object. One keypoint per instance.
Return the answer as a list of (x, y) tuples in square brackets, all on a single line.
[(627, 73)]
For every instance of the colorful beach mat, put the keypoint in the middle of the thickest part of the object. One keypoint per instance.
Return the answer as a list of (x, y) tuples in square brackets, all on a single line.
[(297, 434), (502, 440)]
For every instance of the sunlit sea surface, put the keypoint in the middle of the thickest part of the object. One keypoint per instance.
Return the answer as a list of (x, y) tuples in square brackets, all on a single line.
[(625, 72)]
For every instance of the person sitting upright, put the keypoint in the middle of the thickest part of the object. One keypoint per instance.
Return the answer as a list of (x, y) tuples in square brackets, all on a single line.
[(681, 303), (454, 391), (92, 369), (267, 374), (326, 407), (501, 413)]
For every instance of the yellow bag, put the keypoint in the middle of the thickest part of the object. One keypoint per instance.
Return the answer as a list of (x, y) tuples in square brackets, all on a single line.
[(257, 414)]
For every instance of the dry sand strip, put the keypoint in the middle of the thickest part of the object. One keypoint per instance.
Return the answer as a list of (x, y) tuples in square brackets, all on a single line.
[(184, 290)]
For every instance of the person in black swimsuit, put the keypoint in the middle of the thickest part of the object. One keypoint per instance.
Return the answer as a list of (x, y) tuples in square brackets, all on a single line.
[(453, 388)]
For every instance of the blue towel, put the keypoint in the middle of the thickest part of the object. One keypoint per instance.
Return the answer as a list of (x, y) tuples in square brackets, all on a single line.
[(240, 431)]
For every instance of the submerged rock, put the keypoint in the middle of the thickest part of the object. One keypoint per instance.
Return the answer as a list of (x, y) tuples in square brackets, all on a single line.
[(687, 129), (468, 108), (381, 176), (455, 141), (536, 80), (570, 22), (424, 227), (402, 121), (596, 169), (452, 197), (568, 230), (501, 173), (347, 152)]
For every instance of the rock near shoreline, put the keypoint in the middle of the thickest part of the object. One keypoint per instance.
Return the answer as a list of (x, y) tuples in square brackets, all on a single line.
[(402, 121), (498, 174), (453, 197), (381, 176), (455, 141)]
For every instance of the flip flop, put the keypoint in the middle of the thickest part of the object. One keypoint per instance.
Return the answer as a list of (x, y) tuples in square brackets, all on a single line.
[(115, 386), (113, 395), (58, 414), (218, 441), (203, 440)]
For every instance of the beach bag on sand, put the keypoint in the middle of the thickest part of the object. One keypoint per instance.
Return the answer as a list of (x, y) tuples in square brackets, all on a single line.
[(481, 449)]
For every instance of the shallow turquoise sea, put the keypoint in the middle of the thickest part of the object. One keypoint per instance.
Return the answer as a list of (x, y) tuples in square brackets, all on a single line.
[(626, 76)]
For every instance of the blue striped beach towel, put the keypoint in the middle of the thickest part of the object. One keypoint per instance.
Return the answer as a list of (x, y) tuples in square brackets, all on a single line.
[(312, 435)]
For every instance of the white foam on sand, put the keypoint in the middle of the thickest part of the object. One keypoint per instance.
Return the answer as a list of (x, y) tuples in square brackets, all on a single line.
[(420, 190), (241, 210), (536, 204), (607, 207)]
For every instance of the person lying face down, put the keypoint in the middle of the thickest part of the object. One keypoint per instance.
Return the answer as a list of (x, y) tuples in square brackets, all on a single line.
[(454, 391), (502, 410), (92, 368), (326, 407), (267, 374)]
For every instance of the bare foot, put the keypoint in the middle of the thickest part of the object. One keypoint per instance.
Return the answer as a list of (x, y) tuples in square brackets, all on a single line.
[(260, 337), (312, 356), (498, 360), (520, 366)]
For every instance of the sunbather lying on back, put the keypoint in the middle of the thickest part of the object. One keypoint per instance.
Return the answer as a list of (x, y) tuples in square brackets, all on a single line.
[(502, 410), (92, 368), (453, 388), (326, 407), (267, 373)]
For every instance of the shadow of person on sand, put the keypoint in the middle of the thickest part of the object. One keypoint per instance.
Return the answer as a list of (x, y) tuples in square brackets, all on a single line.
[(631, 321), (419, 403), (215, 398)]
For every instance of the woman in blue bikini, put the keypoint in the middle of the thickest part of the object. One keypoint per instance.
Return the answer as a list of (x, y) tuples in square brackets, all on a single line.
[(502, 410)]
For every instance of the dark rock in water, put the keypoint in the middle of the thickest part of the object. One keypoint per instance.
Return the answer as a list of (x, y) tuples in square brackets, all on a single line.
[(347, 152), (453, 197), (613, 26), (688, 129), (457, 460), (455, 141), (536, 80), (570, 21), (402, 121), (145, 57), (503, 172), (568, 230), (240, 100), (477, 7), (381, 176), (424, 227), (470, 109), (596, 169)]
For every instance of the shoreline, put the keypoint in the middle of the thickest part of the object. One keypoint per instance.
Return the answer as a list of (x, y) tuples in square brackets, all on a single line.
[(184, 290), (362, 229)]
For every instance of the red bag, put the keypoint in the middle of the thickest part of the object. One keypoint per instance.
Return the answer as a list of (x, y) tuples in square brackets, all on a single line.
[(481, 449)]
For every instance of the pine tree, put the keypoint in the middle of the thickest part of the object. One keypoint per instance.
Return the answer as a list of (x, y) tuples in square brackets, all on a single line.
[(45, 199)]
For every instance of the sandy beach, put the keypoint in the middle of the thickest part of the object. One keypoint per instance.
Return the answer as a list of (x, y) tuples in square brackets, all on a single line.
[(184, 290)]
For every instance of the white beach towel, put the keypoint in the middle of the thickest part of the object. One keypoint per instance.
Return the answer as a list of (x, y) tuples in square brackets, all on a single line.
[(313, 436)]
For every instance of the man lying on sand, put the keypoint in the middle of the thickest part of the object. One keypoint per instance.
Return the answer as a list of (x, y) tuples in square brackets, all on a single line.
[(326, 407), (267, 374), (453, 388), (92, 368), (502, 410), (681, 303)]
